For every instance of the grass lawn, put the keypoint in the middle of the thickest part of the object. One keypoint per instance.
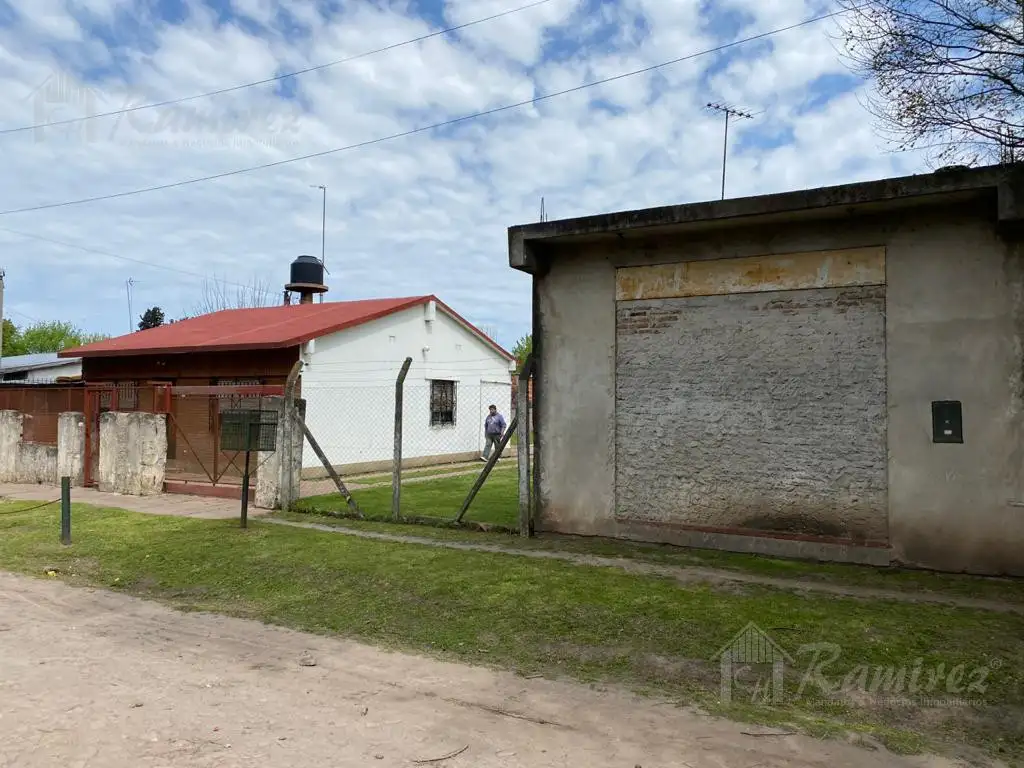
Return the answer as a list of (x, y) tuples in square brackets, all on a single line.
[(497, 505), (547, 617), (440, 499)]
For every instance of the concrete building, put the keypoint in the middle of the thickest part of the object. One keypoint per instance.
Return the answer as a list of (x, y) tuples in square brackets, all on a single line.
[(834, 373)]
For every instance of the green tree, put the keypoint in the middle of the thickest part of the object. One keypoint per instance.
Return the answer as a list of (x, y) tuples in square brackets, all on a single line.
[(52, 336), (522, 350), (151, 318), (12, 339)]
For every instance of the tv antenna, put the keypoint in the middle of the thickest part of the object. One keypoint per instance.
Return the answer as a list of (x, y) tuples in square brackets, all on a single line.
[(729, 112), (128, 284)]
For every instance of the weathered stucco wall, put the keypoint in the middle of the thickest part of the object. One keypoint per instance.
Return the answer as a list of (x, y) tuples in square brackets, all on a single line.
[(955, 332), (576, 413), (71, 447), (757, 411), (10, 443), (133, 453), (22, 462), (271, 480), (954, 306)]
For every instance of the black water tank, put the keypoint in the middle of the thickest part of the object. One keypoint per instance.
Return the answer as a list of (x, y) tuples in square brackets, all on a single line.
[(307, 270)]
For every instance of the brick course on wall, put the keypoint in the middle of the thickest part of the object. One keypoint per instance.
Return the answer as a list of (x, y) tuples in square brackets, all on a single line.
[(762, 411)]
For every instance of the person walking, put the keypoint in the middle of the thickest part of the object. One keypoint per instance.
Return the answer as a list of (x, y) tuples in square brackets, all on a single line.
[(494, 429)]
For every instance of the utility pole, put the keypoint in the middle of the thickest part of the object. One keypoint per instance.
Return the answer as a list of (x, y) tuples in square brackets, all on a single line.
[(131, 315), (3, 274), (729, 112), (323, 228), (543, 211)]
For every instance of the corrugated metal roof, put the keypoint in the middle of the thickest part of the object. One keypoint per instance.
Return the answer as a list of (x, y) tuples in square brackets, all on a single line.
[(18, 363), (260, 328)]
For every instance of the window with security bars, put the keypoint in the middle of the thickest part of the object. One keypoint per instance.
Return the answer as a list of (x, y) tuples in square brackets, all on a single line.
[(442, 403)]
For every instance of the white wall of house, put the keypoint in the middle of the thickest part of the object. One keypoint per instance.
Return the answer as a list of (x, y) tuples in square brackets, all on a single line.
[(41, 374), (348, 381), (54, 371)]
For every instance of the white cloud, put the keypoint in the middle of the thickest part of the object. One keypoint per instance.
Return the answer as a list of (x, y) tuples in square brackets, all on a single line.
[(422, 214)]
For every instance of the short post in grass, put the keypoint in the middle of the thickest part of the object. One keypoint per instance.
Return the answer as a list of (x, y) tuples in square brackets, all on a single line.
[(65, 511), (396, 471), (249, 442)]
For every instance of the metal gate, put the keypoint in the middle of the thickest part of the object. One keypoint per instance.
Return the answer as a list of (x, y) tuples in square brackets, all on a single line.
[(194, 453)]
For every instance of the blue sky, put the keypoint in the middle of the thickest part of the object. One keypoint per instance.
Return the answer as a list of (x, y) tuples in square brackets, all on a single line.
[(421, 214)]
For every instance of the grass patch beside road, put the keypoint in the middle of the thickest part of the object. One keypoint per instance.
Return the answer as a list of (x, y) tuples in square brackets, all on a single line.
[(438, 499), (497, 504), (544, 617)]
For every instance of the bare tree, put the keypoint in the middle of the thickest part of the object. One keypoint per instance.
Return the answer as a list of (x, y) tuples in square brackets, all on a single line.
[(220, 294), (948, 74)]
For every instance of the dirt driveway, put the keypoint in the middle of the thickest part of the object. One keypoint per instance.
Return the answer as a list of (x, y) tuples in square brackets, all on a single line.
[(96, 679)]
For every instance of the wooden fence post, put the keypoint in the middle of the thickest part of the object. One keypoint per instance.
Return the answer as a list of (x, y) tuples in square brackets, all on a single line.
[(487, 469), (523, 447), (396, 472)]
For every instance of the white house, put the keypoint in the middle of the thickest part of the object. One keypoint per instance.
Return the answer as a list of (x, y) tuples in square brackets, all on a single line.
[(44, 368), (349, 378), (351, 354)]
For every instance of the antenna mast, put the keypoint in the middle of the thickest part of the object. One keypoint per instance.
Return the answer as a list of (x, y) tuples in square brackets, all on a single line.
[(131, 315), (729, 112)]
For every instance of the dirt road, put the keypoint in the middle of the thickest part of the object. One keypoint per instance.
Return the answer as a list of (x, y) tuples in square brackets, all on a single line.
[(92, 679)]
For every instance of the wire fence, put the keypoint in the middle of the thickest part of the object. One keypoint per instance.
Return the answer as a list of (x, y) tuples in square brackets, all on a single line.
[(443, 449)]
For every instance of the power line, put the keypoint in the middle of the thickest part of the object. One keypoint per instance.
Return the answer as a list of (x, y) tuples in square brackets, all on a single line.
[(276, 78), (424, 129), (112, 255)]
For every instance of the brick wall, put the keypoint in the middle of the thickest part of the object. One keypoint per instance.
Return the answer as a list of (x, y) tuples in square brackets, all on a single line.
[(761, 411)]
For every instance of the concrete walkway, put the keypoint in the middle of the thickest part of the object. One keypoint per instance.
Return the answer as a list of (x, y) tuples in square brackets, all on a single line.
[(164, 504)]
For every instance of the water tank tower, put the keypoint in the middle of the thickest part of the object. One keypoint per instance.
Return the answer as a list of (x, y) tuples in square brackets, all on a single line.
[(307, 278)]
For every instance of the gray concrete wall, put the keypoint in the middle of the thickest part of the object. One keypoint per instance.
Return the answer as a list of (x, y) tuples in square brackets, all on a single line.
[(22, 462), (10, 445), (576, 411), (272, 477), (758, 411), (71, 447), (954, 331), (133, 453)]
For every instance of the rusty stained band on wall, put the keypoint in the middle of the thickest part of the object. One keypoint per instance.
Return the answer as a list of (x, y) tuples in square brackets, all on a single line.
[(783, 272)]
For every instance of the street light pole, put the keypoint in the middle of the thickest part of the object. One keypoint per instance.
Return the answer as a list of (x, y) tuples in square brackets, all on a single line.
[(323, 228)]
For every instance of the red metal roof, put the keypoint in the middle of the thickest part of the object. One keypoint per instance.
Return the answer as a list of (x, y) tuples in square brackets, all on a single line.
[(261, 328)]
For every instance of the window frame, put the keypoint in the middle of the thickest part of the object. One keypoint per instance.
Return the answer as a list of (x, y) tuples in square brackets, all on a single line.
[(437, 414)]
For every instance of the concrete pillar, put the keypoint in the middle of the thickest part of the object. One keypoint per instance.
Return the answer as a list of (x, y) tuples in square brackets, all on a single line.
[(10, 445), (37, 464), (71, 447), (133, 453), (271, 479)]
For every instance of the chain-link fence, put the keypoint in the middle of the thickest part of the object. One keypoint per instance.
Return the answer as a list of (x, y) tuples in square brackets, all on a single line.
[(443, 444)]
